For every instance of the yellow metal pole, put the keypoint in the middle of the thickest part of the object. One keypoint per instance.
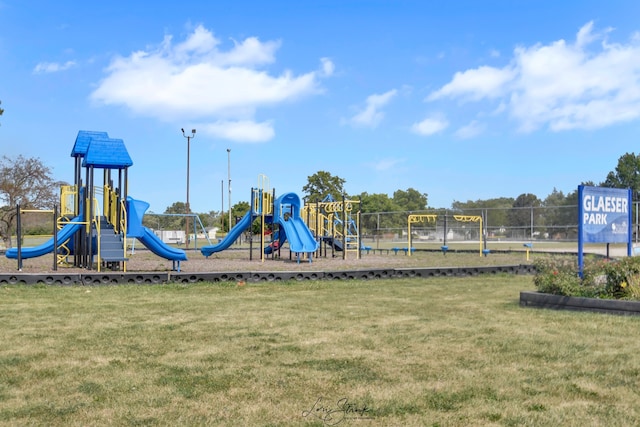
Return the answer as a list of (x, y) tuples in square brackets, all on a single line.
[(480, 219), (262, 218), (409, 233)]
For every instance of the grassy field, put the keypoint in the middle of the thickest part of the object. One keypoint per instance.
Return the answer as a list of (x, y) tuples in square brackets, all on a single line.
[(410, 352)]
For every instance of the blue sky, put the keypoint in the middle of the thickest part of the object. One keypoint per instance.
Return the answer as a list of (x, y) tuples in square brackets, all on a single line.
[(462, 100)]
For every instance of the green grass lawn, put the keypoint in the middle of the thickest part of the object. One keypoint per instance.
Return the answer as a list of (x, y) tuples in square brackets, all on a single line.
[(409, 352)]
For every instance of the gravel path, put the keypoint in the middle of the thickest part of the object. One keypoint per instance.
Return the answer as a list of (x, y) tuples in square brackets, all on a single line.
[(142, 260)]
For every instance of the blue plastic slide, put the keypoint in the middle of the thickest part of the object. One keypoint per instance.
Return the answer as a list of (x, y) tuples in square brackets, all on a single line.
[(280, 237), (298, 234), (158, 247), (64, 234), (300, 238), (135, 212), (336, 243), (231, 236)]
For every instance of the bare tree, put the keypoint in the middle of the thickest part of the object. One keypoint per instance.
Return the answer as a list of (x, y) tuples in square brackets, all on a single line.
[(26, 182)]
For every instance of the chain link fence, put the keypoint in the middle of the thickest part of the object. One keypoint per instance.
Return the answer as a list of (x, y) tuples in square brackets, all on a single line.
[(549, 223)]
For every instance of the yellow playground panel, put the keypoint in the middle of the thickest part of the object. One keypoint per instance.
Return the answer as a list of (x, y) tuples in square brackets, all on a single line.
[(336, 222), (115, 211), (263, 203)]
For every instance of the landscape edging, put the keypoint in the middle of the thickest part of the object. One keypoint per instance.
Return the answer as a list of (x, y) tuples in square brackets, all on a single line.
[(562, 302), (118, 277)]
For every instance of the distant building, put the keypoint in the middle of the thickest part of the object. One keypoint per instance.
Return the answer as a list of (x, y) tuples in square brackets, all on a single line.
[(174, 237), (211, 234)]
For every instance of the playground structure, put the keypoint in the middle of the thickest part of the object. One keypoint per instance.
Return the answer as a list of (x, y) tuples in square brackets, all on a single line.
[(283, 212), (336, 225), (96, 217), (309, 228), (91, 232)]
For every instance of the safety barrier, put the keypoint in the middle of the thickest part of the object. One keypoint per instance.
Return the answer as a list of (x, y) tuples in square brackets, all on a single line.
[(158, 278)]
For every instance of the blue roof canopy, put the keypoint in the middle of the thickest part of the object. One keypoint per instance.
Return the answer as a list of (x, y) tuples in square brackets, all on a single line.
[(107, 153), (83, 140)]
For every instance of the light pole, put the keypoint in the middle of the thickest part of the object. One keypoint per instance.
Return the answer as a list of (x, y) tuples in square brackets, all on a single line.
[(229, 175), (222, 205), (187, 209)]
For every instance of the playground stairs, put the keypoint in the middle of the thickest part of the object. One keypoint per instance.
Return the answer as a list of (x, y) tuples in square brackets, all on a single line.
[(111, 245)]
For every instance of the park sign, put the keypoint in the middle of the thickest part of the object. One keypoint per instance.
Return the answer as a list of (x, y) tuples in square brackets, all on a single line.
[(605, 214), (604, 217)]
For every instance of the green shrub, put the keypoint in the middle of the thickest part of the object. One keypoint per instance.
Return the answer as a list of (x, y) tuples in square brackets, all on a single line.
[(601, 278), (38, 230), (557, 277), (622, 278)]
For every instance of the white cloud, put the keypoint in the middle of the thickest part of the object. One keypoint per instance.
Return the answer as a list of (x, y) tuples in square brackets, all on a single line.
[(241, 131), (483, 82), (198, 80), (371, 115), (386, 164), (471, 130), (430, 125), (52, 67), (328, 67), (560, 85)]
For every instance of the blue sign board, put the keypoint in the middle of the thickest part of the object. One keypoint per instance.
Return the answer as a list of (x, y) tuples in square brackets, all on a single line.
[(604, 217)]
